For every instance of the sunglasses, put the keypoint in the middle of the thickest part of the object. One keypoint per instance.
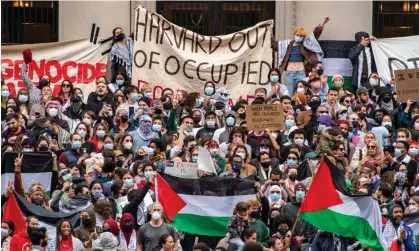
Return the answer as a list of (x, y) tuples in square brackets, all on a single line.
[(371, 147), (64, 85)]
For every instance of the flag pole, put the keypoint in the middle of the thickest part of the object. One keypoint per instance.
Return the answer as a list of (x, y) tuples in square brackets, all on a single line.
[(292, 233), (156, 187)]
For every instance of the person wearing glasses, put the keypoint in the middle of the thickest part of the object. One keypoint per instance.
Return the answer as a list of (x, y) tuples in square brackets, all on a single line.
[(65, 93), (337, 157)]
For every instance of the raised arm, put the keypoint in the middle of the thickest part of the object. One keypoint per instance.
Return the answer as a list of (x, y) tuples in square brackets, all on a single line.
[(35, 95), (319, 29)]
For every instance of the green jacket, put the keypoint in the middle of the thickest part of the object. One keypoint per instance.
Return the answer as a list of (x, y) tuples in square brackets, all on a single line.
[(262, 232)]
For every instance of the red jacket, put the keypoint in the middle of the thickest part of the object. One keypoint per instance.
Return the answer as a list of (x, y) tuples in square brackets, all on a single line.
[(20, 242)]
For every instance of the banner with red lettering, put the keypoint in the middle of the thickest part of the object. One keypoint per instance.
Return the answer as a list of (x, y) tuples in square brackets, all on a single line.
[(167, 55), (79, 61)]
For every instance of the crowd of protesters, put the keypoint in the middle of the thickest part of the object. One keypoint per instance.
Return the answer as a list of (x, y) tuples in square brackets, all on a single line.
[(108, 145)]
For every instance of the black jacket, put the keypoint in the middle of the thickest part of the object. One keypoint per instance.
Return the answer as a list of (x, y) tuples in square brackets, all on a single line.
[(95, 105), (138, 197), (353, 56)]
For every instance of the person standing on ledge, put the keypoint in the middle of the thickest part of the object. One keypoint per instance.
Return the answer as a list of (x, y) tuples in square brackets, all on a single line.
[(295, 55)]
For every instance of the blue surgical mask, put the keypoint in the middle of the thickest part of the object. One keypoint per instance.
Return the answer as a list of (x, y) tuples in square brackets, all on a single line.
[(5, 94), (211, 124), (209, 91), (156, 128), (397, 152), (4, 232), (230, 121), (148, 94), (299, 195), (274, 79), (289, 123), (413, 151), (134, 97), (387, 123), (128, 183), (76, 145), (82, 134), (291, 162), (23, 98), (108, 146), (100, 133), (195, 159), (147, 175), (275, 197), (321, 127), (119, 82), (48, 130), (198, 102), (298, 39)]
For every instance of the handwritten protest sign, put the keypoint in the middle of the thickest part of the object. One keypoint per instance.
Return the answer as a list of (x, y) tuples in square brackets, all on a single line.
[(182, 169), (261, 117), (407, 84), (167, 55)]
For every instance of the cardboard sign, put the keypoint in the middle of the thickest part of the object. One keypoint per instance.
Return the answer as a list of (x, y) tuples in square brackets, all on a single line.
[(261, 117), (182, 169), (407, 84)]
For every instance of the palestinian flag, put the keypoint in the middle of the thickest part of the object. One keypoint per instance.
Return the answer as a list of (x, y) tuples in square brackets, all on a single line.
[(202, 206), (330, 208), (336, 61), (18, 208), (36, 167), (412, 220)]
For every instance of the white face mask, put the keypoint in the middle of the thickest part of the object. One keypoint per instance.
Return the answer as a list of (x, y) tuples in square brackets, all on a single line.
[(127, 146), (413, 209), (87, 121), (155, 216), (53, 112)]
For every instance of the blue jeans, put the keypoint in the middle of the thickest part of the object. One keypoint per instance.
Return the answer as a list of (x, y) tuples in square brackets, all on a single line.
[(291, 78)]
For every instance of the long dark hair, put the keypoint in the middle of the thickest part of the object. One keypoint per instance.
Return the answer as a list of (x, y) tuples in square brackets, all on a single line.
[(72, 91), (57, 237)]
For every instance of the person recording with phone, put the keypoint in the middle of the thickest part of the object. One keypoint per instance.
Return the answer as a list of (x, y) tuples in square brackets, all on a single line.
[(362, 59)]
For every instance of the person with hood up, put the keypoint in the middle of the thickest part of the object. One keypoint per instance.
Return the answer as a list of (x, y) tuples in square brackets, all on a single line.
[(74, 112), (381, 134), (387, 102), (397, 234), (362, 59), (144, 134), (128, 234), (87, 228)]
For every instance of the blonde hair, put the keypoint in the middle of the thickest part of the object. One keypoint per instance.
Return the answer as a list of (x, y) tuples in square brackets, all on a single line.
[(300, 30), (253, 203)]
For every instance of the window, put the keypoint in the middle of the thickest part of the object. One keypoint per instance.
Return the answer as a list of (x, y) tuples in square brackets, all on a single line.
[(216, 17), (395, 19), (28, 22)]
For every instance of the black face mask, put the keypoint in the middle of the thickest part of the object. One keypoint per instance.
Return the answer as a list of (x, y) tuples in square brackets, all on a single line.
[(104, 230), (124, 118), (167, 105), (314, 104), (293, 177), (119, 163), (265, 164), (124, 192), (87, 222), (126, 227), (43, 148), (355, 124), (120, 37), (76, 108), (196, 120), (242, 115), (386, 99), (320, 71), (254, 214), (30, 230), (283, 231), (140, 157)]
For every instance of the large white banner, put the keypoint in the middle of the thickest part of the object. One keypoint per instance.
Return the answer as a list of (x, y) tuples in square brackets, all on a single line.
[(166, 55), (398, 53), (80, 61)]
